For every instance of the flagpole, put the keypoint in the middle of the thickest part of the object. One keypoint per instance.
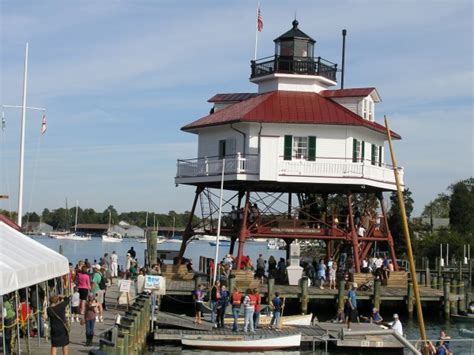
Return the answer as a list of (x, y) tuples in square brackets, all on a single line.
[(22, 139), (256, 32)]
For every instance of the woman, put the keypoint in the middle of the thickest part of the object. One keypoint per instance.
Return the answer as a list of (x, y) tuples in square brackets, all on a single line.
[(57, 324), (92, 310), (198, 303), (84, 286)]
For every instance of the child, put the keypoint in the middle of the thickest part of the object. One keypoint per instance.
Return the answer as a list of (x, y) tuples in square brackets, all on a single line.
[(198, 303), (89, 317), (75, 301), (332, 277)]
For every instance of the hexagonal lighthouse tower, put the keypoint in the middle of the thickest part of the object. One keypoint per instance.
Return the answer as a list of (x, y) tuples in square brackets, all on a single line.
[(294, 143)]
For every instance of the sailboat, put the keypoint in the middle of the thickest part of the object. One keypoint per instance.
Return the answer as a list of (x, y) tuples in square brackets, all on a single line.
[(111, 237), (74, 235)]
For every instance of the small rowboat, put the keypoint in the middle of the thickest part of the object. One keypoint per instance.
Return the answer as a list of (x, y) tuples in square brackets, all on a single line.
[(462, 319), (302, 319), (242, 342), (467, 333)]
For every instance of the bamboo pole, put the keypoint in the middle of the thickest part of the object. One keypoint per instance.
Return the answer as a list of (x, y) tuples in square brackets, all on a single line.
[(419, 310)]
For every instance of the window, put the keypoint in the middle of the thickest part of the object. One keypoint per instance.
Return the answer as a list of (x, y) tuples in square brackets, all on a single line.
[(364, 108), (226, 148), (371, 110), (380, 156), (300, 148), (356, 150), (375, 155)]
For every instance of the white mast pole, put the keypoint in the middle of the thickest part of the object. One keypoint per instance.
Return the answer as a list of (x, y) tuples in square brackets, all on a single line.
[(256, 31), (77, 209), (22, 139), (214, 277)]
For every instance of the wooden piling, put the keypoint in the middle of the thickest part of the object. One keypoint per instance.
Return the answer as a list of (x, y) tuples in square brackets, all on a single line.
[(340, 296), (453, 300), (428, 273), (120, 345), (434, 281), (410, 299), (440, 282), (304, 294), (422, 278), (377, 284), (271, 287), (462, 301), (446, 299)]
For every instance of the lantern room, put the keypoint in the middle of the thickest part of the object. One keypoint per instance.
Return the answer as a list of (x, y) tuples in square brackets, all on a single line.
[(294, 43)]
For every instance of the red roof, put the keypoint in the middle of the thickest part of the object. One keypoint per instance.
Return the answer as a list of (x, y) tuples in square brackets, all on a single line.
[(235, 97), (355, 92), (287, 107), (9, 222)]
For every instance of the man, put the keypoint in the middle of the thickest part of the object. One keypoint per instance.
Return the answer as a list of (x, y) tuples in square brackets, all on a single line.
[(277, 306), (132, 253), (396, 324), (129, 262), (352, 314), (260, 274), (114, 264), (234, 216), (10, 331)]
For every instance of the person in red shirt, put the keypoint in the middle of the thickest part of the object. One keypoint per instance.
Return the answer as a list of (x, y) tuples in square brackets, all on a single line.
[(256, 314), (236, 300)]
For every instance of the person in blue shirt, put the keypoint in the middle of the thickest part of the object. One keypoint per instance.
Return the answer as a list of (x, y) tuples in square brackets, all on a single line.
[(222, 304), (277, 305), (442, 346), (375, 317), (352, 315)]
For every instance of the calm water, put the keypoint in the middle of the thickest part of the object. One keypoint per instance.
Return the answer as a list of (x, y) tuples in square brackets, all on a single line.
[(95, 248)]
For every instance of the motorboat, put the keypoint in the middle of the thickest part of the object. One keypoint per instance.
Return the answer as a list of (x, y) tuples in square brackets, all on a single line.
[(265, 319), (111, 237)]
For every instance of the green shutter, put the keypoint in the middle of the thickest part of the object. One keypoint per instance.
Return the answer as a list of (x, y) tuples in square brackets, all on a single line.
[(380, 156), (311, 148), (374, 150), (222, 149), (362, 148), (288, 147), (354, 150)]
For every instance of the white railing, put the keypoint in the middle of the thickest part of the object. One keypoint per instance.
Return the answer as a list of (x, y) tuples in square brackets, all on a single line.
[(337, 169), (209, 166)]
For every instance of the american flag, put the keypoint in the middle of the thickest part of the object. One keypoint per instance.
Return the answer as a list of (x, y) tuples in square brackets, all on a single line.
[(259, 20), (43, 124)]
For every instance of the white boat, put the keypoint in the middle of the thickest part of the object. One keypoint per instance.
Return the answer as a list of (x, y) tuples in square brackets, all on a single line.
[(300, 319), (212, 238), (111, 237), (242, 342), (70, 236)]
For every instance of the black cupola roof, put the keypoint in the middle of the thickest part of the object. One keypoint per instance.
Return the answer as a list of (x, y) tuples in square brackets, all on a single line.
[(294, 33)]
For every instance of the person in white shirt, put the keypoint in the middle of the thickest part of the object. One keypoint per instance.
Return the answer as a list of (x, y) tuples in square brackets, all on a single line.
[(114, 264), (140, 283), (361, 231), (75, 300), (396, 324)]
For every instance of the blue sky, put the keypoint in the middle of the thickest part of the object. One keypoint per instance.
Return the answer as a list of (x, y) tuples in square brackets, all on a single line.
[(119, 79)]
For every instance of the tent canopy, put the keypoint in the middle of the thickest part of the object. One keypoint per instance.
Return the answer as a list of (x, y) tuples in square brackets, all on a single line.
[(25, 262)]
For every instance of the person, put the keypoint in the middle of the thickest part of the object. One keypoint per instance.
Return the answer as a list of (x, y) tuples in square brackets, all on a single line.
[(260, 273), (198, 297), (222, 306), (470, 309), (114, 264), (59, 331), (9, 331), (357, 216), (339, 318), (332, 277), (234, 216), (375, 317), (24, 316), (236, 300), (277, 306), (92, 309), (249, 309), (189, 265), (321, 273), (128, 262), (97, 280), (215, 296), (75, 302), (442, 345), (84, 286), (272, 266), (256, 313), (132, 253), (254, 213), (352, 314), (396, 324)]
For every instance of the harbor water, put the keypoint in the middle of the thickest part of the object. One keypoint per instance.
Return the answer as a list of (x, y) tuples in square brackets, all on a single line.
[(95, 248)]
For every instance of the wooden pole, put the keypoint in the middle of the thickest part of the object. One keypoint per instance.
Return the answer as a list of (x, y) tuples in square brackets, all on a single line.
[(406, 231), (453, 300), (446, 299), (304, 295), (462, 301), (410, 299), (271, 287), (340, 296), (377, 294)]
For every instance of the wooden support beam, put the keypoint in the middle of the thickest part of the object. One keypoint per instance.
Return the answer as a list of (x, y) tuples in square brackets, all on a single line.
[(244, 232), (353, 235)]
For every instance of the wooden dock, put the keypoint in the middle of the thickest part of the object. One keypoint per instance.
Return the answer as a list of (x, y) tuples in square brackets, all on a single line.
[(311, 336)]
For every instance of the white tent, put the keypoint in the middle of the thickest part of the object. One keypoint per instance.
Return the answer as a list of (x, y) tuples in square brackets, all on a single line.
[(25, 262)]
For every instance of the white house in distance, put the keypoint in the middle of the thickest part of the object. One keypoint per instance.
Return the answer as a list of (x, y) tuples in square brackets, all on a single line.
[(294, 130), (296, 135)]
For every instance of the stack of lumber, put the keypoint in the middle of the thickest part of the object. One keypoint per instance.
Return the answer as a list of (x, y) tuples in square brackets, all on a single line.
[(176, 272), (245, 279), (398, 279)]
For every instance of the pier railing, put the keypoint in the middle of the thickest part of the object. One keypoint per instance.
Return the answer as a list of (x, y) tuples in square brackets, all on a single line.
[(210, 166)]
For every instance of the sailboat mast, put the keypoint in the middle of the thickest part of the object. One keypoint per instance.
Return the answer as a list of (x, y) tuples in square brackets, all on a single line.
[(77, 210)]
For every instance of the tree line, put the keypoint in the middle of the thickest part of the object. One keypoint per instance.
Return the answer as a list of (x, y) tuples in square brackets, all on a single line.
[(62, 218)]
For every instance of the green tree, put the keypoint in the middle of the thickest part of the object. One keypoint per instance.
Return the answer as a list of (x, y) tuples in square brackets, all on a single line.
[(438, 208), (461, 207), (395, 219)]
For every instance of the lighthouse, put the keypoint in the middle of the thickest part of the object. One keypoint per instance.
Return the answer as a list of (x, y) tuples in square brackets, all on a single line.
[(288, 149)]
